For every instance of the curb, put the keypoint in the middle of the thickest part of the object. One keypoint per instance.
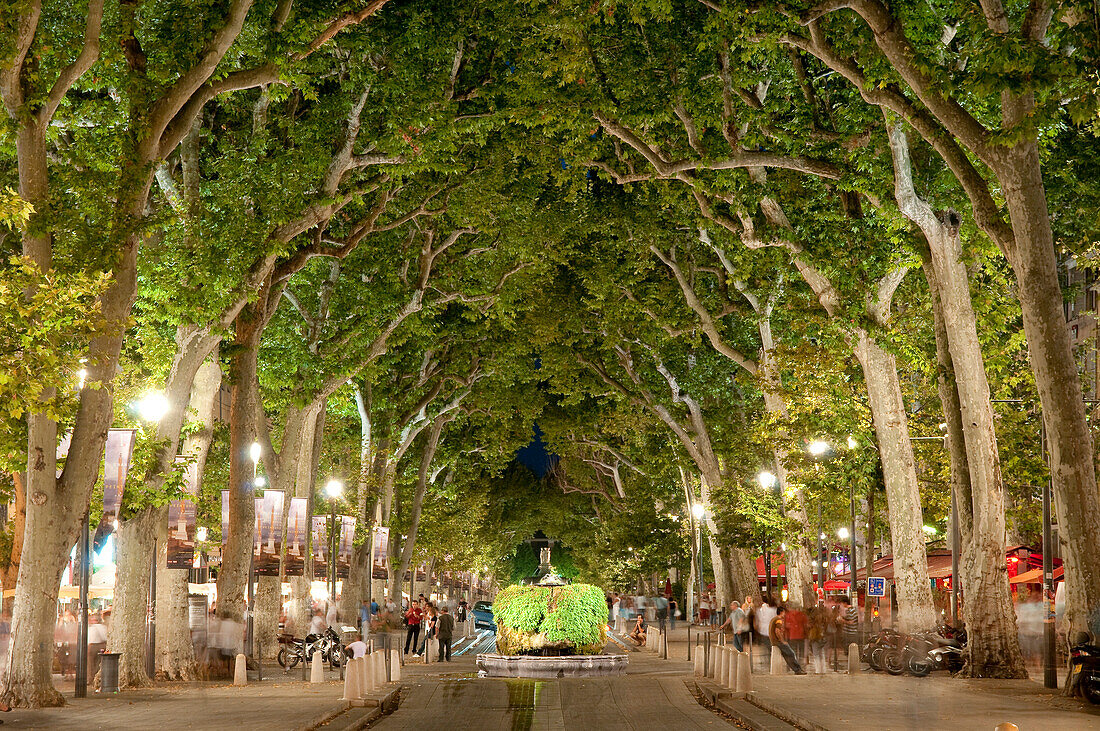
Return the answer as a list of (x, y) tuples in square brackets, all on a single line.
[(784, 714), (386, 703)]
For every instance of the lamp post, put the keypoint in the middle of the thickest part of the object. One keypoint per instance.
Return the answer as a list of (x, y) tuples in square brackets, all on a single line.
[(151, 408), (768, 481), (817, 450), (334, 489), (699, 512), (255, 451)]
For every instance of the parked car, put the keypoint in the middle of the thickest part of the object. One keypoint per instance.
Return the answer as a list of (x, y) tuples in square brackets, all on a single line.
[(483, 616)]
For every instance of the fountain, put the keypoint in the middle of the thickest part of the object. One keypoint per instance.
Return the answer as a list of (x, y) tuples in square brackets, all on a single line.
[(549, 628)]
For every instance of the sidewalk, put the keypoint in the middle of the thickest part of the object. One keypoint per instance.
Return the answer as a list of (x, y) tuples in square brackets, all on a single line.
[(278, 702), (881, 701)]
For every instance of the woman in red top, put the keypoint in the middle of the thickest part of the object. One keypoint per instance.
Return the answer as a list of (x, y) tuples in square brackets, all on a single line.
[(796, 631), (412, 620)]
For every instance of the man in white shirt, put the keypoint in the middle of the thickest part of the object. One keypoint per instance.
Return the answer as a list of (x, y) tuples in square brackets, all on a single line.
[(763, 620), (358, 648)]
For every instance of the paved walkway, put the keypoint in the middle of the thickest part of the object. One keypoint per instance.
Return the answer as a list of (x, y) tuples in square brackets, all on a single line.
[(279, 702), (652, 695)]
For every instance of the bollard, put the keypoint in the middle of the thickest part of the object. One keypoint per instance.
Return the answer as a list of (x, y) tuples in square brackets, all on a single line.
[(853, 659), (731, 669), (380, 668), (352, 689), (744, 673), (722, 670), (395, 665), (317, 672), (1006, 726), (700, 665), (366, 684), (777, 661), (376, 680), (240, 670)]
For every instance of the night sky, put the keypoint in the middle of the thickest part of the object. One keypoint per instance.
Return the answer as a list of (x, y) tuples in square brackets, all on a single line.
[(535, 456)]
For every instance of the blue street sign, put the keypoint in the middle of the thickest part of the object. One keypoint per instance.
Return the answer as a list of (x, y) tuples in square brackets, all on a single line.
[(876, 586)]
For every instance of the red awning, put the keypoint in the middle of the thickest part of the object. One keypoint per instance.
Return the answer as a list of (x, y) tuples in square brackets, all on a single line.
[(1035, 576), (778, 569), (834, 585)]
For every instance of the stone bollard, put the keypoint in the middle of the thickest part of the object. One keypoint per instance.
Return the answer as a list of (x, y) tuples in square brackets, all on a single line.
[(778, 665), (395, 665), (240, 670), (853, 659), (379, 674), (731, 669), (367, 677), (353, 690), (700, 661), (744, 673), (317, 672), (723, 664)]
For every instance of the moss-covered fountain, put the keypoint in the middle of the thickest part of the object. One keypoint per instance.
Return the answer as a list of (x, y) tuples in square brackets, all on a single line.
[(550, 629)]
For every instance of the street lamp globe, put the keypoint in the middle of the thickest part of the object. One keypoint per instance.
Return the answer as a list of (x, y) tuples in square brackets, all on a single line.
[(260, 481), (152, 407), (842, 533), (818, 447), (334, 488), (852, 443), (698, 510), (766, 479), (255, 452)]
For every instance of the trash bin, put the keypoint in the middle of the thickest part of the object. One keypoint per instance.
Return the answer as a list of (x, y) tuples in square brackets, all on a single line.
[(108, 672)]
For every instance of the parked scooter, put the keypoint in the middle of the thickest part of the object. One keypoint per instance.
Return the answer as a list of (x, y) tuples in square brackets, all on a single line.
[(1084, 663), (923, 652)]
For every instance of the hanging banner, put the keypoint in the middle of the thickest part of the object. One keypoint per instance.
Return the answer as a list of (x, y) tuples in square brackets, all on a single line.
[(269, 533), (320, 546), (116, 463), (296, 538), (225, 515), (347, 537), (380, 549), (181, 534), (181, 518)]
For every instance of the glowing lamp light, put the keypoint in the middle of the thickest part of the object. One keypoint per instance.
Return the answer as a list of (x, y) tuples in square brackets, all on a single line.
[(152, 407), (81, 377), (334, 488), (260, 481), (784, 593), (255, 452), (818, 448), (200, 533), (842, 533), (822, 536), (929, 529), (766, 479), (698, 510), (852, 443)]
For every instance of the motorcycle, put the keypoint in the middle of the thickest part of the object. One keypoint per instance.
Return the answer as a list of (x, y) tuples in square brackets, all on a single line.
[(877, 646), (1084, 666), (294, 650), (923, 652)]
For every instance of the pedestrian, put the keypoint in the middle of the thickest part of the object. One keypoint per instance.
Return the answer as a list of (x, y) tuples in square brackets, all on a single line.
[(796, 631), (462, 610), (727, 627), (850, 620), (736, 622), (764, 615), (638, 633), (777, 635), (673, 613), (743, 625), (365, 614), (412, 622), (616, 607), (428, 614), (97, 643), (817, 635), (356, 649), (444, 631), (317, 624)]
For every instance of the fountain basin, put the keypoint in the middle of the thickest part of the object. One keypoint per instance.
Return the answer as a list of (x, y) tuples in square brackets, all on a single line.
[(566, 666)]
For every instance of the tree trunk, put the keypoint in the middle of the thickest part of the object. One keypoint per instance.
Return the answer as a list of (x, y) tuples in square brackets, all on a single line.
[(902, 493), (134, 541), (1076, 497), (175, 654), (237, 549), (993, 649), (298, 613)]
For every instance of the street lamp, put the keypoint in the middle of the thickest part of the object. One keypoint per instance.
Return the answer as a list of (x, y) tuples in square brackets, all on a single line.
[(152, 407), (699, 512), (818, 448), (842, 533), (768, 481), (333, 489)]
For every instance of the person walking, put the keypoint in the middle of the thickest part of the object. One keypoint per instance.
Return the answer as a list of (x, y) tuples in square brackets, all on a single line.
[(777, 635), (817, 634), (796, 631), (764, 615), (444, 631), (428, 616), (412, 622), (743, 625)]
